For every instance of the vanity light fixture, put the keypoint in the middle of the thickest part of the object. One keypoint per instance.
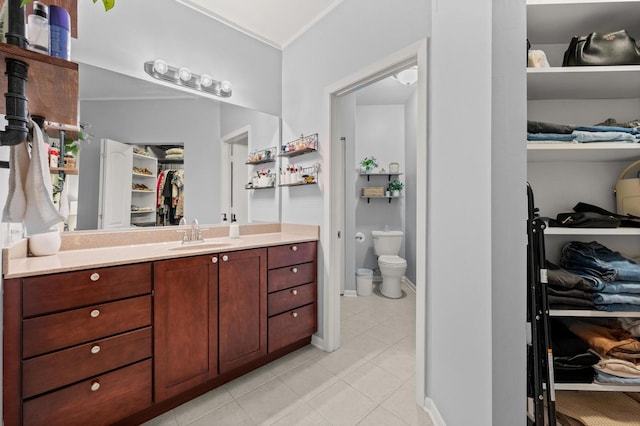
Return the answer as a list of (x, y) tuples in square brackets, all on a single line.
[(408, 76), (160, 70)]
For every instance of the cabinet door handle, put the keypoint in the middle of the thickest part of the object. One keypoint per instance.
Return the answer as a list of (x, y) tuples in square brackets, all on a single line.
[(95, 349), (95, 385), (294, 314), (294, 248), (94, 277), (225, 258), (214, 259), (95, 313), (294, 292), (294, 270)]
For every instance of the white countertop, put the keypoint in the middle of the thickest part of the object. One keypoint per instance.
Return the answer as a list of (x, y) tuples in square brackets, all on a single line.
[(17, 264)]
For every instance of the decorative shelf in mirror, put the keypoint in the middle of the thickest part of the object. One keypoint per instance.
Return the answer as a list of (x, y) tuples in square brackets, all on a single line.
[(303, 145), (262, 156)]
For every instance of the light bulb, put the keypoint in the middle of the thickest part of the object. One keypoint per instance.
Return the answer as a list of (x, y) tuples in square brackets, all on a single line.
[(160, 66), (184, 74), (206, 80), (225, 86)]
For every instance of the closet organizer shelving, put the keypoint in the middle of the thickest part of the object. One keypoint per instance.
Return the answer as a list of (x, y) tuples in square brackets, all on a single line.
[(581, 95), (143, 190)]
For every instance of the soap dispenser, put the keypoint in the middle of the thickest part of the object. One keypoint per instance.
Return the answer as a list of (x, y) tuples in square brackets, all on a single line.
[(234, 228)]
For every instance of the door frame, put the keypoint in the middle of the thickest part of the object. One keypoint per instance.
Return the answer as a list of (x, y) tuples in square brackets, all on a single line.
[(225, 152), (333, 223)]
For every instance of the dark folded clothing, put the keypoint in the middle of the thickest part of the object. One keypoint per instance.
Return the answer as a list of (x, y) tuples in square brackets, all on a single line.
[(569, 349), (582, 375), (556, 302), (574, 293), (560, 277), (542, 127)]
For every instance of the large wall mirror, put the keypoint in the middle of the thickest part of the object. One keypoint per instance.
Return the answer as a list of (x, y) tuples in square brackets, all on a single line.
[(216, 138)]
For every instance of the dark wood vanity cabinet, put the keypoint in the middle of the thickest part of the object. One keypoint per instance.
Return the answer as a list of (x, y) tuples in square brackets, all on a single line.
[(292, 294), (67, 359), (123, 344), (185, 324), (242, 308)]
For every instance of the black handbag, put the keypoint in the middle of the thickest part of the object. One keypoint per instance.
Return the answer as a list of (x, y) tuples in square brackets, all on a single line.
[(617, 48)]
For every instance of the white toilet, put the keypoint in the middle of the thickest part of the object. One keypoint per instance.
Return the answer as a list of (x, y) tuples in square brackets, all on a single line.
[(386, 245)]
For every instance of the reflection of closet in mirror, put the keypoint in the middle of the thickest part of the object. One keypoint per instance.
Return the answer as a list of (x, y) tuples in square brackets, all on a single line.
[(170, 185)]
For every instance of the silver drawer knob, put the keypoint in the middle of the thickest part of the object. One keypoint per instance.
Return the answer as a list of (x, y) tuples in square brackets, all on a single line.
[(225, 258), (214, 259), (95, 313), (294, 314), (94, 277), (95, 349), (95, 386), (294, 270), (294, 248), (294, 292)]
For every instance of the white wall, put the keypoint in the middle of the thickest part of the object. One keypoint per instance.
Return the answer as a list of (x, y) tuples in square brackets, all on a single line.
[(193, 122), (134, 32), (380, 132), (264, 205), (355, 34)]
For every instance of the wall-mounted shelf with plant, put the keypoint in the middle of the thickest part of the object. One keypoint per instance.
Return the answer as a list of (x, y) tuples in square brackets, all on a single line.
[(395, 186), (368, 165)]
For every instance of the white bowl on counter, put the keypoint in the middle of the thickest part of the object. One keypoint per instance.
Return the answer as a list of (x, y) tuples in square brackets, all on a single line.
[(45, 244)]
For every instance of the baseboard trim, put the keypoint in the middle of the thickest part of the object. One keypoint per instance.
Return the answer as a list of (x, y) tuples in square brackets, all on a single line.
[(433, 413), (318, 342), (350, 293), (409, 284)]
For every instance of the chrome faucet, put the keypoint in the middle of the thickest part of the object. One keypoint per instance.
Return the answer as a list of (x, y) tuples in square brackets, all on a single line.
[(194, 235)]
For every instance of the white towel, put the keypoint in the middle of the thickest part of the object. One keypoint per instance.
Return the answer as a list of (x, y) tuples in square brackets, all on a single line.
[(16, 203), (39, 214)]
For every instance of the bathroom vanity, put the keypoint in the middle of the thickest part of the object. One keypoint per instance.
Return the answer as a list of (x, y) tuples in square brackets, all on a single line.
[(108, 333)]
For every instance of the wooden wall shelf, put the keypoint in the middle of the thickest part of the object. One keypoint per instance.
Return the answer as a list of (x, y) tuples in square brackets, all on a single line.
[(52, 85)]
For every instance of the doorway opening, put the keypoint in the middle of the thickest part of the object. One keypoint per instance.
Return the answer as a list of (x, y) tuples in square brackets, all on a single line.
[(234, 200), (334, 226)]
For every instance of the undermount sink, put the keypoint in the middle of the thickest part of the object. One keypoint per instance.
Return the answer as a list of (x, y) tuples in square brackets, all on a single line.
[(200, 246)]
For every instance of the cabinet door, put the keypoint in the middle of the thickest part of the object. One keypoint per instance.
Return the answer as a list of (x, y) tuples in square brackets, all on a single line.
[(243, 308), (185, 326)]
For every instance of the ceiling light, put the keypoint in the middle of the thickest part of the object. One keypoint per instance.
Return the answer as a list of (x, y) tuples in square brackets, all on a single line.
[(408, 76), (184, 77)]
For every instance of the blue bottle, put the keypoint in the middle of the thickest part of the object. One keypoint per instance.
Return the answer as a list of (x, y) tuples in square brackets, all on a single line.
[(59, 30)]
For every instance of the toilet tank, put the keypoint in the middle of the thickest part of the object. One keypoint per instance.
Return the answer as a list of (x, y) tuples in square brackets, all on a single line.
[(387, 242)]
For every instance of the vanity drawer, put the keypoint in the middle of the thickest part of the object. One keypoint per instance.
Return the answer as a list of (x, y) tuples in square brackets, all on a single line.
[(282, 278), (290, 298), (56, 331), (291, 326), (102, 400), (58, 292), (291, 254), (57, 369)]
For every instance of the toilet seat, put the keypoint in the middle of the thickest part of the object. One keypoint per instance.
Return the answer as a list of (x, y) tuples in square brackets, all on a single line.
[(389, 260)]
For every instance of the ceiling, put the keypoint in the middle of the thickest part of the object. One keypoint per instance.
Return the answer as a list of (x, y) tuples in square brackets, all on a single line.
[(275, 22)]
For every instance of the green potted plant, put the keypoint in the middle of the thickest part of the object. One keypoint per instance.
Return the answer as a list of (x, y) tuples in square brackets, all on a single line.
[(368, 164), (395, 186)]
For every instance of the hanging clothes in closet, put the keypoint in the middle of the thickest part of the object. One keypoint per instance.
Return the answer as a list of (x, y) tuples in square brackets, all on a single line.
[(170, 196)]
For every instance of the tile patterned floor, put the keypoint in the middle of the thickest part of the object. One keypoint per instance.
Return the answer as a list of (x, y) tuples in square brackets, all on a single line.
[(370, 380)]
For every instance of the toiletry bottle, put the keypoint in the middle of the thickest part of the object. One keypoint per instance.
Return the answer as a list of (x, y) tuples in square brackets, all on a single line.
[(59, 25), (38, 28), (234, 228)]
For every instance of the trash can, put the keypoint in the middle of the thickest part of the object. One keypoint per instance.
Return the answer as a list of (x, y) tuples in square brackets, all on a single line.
[(364, 281)]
